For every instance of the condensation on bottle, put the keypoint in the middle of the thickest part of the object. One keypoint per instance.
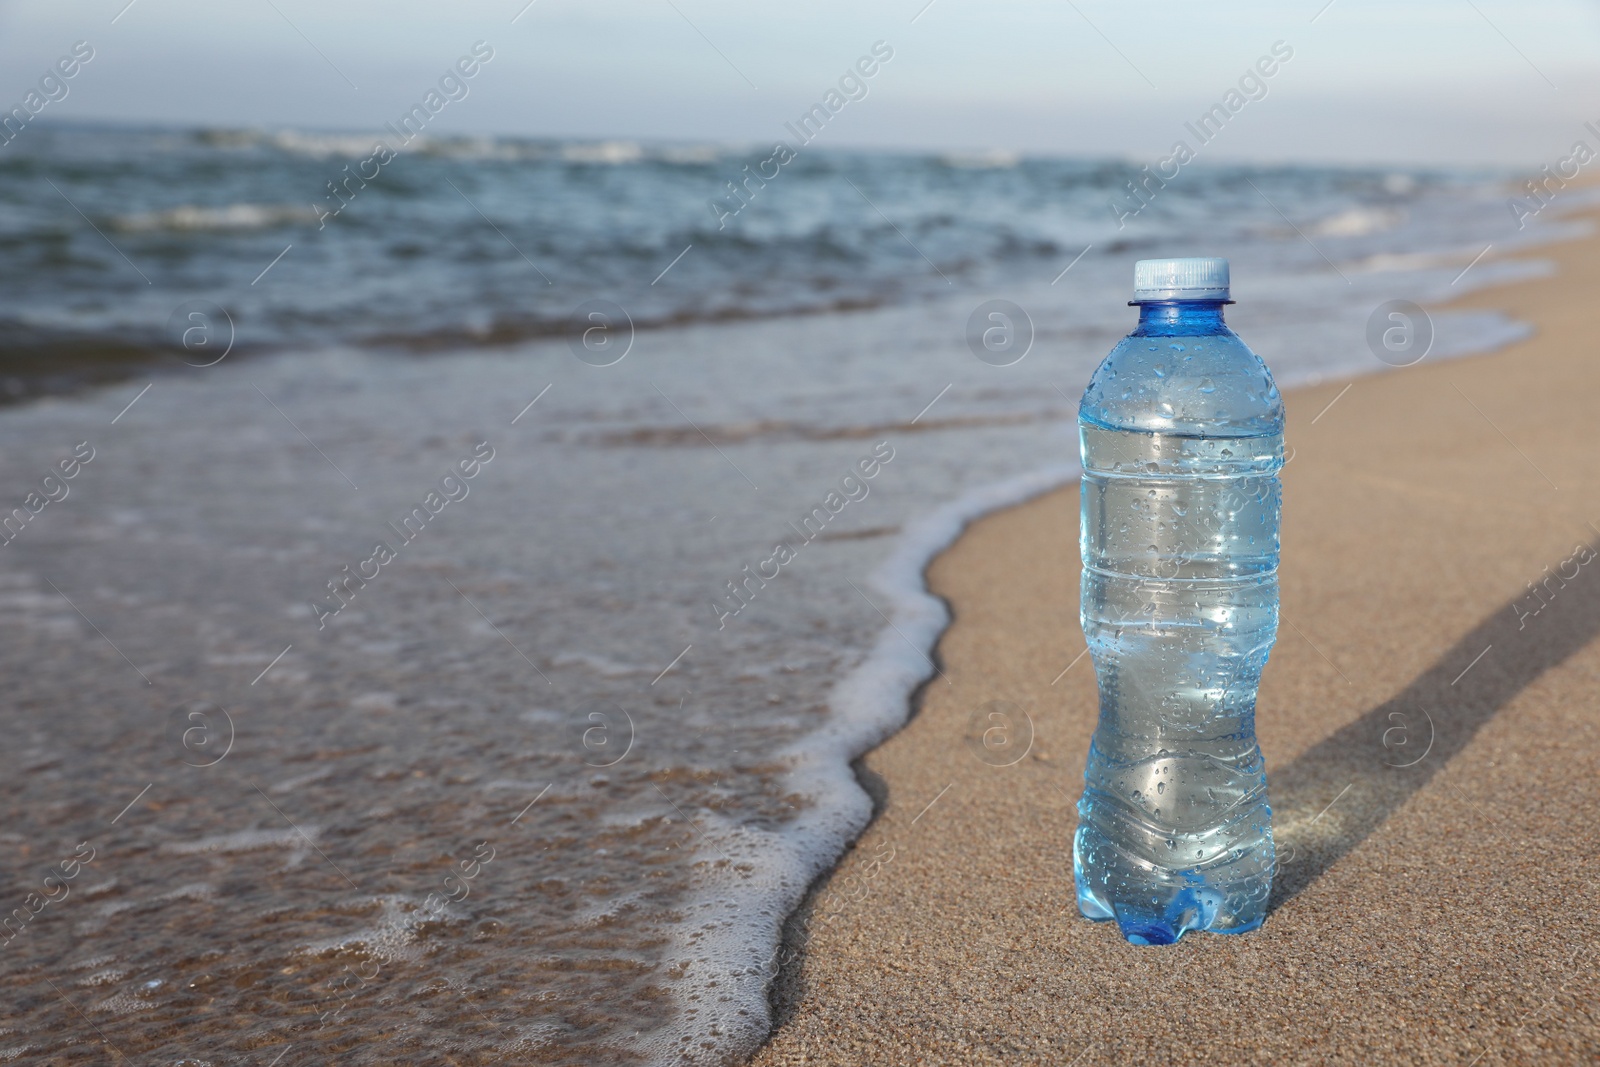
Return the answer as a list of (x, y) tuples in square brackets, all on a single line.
[(1181, 433)]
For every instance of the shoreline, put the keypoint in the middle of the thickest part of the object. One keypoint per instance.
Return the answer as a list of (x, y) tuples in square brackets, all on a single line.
[(810, 990)]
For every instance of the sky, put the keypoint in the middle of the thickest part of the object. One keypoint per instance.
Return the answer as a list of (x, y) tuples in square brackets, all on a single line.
[(1505, 82)]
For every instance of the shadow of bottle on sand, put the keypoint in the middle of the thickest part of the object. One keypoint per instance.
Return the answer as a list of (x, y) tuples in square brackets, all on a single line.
[(1336, 794)]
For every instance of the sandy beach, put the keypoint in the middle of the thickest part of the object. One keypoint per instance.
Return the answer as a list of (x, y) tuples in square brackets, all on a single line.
[(1428, 723), (550, 538)]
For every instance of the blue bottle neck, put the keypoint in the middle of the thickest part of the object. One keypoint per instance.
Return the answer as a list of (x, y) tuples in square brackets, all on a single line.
[(1181, 318)]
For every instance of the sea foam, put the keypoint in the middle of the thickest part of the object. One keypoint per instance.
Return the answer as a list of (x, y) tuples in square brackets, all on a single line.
[(729, 951)]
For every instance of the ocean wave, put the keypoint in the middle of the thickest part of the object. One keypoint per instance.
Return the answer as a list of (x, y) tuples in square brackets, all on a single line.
[(323, 145), (503, 331), (474, 149), (1358, 222), (308, 144), (993, 159), (305, 144), (192, 217), (36, 362), (612, 153)]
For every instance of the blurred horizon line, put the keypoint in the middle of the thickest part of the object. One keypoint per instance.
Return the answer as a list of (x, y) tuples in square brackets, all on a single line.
[(623, 149)]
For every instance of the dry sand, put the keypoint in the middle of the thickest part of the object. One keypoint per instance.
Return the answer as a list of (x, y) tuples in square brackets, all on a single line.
[(1435, 913)]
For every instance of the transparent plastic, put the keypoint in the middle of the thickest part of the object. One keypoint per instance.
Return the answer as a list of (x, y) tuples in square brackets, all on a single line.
[(1181, 430)]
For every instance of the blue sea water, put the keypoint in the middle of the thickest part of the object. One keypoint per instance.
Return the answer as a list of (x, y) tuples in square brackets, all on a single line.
[(465, 242), (593, 664)]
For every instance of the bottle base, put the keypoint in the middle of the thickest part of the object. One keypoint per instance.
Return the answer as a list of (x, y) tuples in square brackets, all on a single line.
[(1158, 906), (1187, 909), (1180, 919)]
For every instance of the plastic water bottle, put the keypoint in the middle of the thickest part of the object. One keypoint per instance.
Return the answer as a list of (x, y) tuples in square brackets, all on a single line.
[(1181, 430)]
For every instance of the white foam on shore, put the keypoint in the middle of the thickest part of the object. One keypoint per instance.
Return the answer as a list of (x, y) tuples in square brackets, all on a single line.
[(749, 880)]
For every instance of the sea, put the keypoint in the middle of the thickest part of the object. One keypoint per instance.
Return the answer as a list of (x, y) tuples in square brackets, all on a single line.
[(477, 573)]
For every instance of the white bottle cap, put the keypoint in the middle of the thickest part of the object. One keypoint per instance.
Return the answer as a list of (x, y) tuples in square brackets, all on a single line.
[(1180, 279)]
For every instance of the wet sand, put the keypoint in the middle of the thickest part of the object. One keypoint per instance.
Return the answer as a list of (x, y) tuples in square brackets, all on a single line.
[(1429, 725)]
